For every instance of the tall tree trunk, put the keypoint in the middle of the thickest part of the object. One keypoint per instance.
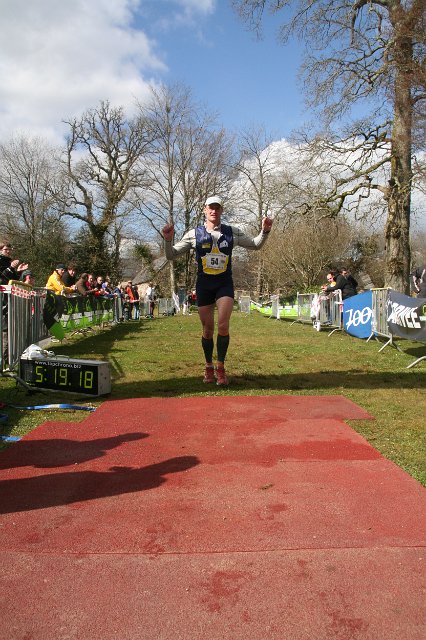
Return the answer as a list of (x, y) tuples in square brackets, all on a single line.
[(115, 269), (172, 277), (259, 274), (100, 259), (397, 230)]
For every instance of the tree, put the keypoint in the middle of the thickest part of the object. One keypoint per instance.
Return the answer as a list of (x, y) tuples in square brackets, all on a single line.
[(262, 188), (301, 253), (103, 164), (30, 191), (166, 112), (371, 51), (189, 157)]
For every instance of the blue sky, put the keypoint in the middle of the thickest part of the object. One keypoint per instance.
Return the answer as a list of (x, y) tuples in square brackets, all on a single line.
[(245, 79), (59, 58)]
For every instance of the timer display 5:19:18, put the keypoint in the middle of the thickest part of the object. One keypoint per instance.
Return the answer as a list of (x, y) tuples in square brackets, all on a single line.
[(64, 377), (90, 377)]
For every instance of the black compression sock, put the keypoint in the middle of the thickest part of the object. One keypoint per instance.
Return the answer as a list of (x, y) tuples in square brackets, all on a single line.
[(207, 344), (222, 347)]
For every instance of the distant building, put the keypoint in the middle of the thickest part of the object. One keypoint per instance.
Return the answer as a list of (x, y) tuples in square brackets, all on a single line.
[(144, 276)]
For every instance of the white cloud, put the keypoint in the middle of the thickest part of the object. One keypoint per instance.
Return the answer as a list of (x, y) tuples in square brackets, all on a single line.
[(171, 15), (196, 6), (58, 58)]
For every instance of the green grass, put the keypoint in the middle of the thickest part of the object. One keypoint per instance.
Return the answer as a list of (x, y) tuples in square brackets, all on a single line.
[(164, 358)]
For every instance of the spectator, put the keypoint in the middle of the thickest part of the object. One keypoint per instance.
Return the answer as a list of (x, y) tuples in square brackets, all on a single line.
[(9, 269), (129, 294), (27, 277), (150, 297), (340, 283), (418, 281), (118, 292), (82, 285), (331, 282), (106, 286), (91, 283), (349, 277), (55, 282), (69, 278), (128, 289), (136, 305), (98, 289)]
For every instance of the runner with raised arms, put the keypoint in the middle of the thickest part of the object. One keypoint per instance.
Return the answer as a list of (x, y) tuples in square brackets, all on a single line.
[(213, 243)]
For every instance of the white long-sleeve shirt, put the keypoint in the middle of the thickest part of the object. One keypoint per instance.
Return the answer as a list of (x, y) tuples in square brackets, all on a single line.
[(188, 241)]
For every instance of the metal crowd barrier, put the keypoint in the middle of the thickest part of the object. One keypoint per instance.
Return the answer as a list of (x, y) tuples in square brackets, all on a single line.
[(21, 321), (162, 307), (165, 306), (321, 311), (379, 324), (244, 303), (304, 307), (145, 308), (275, 307), (38, 328), (3, 330), (329, 312), (118, 309), (22, 324)]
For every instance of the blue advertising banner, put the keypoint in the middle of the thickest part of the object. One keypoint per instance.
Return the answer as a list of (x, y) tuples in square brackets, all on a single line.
[(406, 317), (357, 315)]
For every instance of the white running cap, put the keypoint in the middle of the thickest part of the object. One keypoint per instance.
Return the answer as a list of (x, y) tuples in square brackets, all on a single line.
[(214, 200)]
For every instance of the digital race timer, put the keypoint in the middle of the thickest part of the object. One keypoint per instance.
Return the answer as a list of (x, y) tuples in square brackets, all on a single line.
[(89, 377)]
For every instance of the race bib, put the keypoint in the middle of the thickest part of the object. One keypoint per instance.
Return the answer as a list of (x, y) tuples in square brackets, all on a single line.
[(215, 263), (216, 260)]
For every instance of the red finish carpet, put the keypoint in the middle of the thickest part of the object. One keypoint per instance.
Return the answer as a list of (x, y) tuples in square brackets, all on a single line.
[(250, 518)]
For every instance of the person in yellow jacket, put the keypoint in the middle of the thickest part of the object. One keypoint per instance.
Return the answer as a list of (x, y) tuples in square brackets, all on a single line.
[(56, 284)]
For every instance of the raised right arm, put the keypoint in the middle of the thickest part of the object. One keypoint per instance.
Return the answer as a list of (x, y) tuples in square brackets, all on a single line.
[(183, 246)]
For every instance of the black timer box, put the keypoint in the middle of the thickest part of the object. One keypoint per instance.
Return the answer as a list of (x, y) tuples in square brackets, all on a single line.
[(88, 377)]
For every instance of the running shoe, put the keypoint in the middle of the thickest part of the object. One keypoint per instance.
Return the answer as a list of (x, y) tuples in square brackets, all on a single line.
[(221, 379), (209, 374)]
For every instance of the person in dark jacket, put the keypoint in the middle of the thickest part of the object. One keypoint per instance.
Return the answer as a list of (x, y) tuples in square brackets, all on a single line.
[(340, 283), (349, 277), (68, 277), (136, 303), (10, 269), (418, 281)]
